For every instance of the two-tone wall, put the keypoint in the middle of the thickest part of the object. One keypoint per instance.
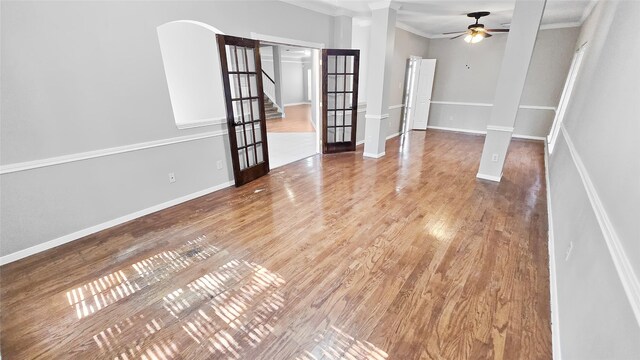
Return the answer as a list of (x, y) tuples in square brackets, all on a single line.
[(594, 195), (87, 132), (466, 76)]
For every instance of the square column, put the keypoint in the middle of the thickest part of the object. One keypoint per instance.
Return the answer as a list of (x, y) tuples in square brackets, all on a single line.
[(381, 45), (513, 73), (342, 32)]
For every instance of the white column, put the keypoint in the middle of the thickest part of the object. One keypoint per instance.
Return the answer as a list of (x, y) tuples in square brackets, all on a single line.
[(342, 32), (277, 77), (513, 73), (381, 44)]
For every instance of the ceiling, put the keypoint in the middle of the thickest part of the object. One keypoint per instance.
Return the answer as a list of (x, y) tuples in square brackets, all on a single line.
[(432, 18), (287, 52)]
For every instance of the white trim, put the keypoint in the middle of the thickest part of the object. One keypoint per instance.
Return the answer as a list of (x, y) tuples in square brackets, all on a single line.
[(105, 225), (562, 25), (468, 131), (359, 142), (537, 107), (292, 60), (462, 103), (529, 137), (621, 261), (500, 128), (35, 164), (489, 177), (281, 40), (588, 10), (376, 117), (480, 132), (362, 110), (553, 286), (298, 103), (411, 29), (393, 135), (203, 122), (374, 156), (393, 107)]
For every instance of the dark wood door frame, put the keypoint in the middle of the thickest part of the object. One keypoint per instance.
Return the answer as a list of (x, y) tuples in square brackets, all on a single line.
[(329, 144), (253, 148)]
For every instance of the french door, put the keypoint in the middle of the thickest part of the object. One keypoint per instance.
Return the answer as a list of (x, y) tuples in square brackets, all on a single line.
[(242, 80), (339, 99)]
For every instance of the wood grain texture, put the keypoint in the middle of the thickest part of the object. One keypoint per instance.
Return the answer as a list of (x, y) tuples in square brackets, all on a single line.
[(336, 256), (298, 119)]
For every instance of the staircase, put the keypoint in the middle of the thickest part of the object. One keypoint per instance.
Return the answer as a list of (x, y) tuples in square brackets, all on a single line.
[(270, 109)]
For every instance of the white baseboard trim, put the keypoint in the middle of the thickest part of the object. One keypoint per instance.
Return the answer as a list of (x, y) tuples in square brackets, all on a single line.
[(35, 164), (393, 107), (553, 285), (500, 128), (480, 132), (489, 177), (298, 103), (393, 135), (468, 131), (359, 142), (621, 261), (105, 225), (374, 156)]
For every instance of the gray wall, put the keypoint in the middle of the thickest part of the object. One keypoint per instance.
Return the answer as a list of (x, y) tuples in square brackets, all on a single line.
[(86, 76), (454, 82), (293, 79), (596, 320)]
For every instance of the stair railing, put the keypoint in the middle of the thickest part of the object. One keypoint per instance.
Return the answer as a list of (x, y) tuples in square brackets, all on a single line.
[(269, 87)]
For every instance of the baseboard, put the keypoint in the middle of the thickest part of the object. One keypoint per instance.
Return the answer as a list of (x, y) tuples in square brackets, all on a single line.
[(489, 177), (393, 135), (553, 285), (481, 132), (468, 131), (620, 259), (359, 142), (374, 156), (105, 225), (298, 103)]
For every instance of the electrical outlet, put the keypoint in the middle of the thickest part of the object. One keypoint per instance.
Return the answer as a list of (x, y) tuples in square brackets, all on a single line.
[(494, 158), (568, 253), (219, 164), (172, 177)]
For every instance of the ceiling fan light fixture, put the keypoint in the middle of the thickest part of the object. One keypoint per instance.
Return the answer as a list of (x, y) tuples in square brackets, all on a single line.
[(474, 37)]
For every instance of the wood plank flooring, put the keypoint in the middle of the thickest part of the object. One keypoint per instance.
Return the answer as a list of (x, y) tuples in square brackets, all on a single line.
[(333, 257), (297, 119)]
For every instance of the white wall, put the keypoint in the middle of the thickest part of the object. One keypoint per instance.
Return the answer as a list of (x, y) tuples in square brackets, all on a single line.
[(293, 83), (468, 74), (85, 76), (192, 68), (595, 175)]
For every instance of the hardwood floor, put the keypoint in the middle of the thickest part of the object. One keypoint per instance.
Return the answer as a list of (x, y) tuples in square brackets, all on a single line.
[(404, 257), (297, 119)]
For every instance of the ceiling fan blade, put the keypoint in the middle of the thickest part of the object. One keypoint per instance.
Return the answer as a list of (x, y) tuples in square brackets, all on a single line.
[(454, 32), (455, 37), (497, 30), (487, 35)]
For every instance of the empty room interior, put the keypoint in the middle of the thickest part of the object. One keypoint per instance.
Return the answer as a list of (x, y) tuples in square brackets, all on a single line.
[(321, 179)]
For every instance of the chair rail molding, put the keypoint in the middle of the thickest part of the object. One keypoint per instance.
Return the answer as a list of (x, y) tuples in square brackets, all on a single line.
[(622, 263)]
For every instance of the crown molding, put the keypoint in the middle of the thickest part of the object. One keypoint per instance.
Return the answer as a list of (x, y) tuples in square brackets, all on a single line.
[(411, 29), (384, 4), (587, 11)]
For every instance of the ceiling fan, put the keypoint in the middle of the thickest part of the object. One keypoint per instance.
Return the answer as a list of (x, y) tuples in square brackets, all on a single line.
[(476, 32)]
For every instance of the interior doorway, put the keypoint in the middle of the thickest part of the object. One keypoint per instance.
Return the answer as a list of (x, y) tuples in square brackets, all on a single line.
[(288, 75), (418, 88)]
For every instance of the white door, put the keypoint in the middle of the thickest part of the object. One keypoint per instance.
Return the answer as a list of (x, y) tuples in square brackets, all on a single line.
[(423, 94)]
